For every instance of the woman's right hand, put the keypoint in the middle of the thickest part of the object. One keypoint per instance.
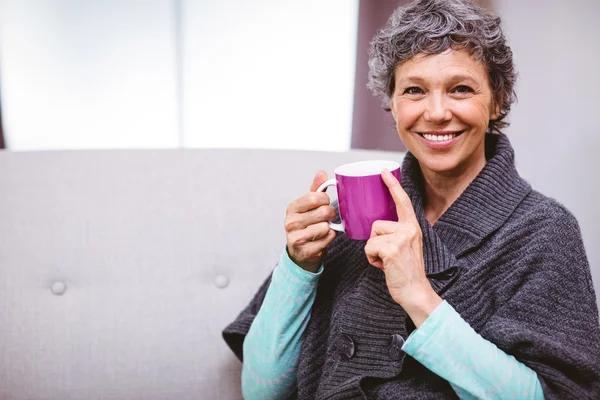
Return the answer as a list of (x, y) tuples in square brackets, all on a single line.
[(307, 227)]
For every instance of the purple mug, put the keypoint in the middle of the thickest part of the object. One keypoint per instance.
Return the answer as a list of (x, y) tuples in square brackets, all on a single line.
[(363, 197)]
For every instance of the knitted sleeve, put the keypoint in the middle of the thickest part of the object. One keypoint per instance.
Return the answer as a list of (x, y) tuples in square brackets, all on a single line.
[(550, 322)]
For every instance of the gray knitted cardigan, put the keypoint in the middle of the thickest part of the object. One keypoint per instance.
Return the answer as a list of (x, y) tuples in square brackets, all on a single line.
[(508, 259)]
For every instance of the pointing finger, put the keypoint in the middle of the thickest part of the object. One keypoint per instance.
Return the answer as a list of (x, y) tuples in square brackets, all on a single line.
[(403, 204)]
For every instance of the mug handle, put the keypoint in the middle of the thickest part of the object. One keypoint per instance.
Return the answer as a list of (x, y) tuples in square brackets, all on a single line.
[(322, 188)]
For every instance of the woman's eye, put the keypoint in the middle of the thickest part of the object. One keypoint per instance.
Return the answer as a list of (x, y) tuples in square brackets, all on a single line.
[(463, 89), (413, 90)]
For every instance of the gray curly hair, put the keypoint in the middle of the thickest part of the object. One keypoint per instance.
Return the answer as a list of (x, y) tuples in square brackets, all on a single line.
[(432, 27)]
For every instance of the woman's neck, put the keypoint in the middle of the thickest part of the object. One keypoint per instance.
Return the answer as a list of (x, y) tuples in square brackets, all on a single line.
[(442, 189)]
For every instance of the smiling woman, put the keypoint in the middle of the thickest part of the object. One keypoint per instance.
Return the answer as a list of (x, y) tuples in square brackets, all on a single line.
[(439, 99), (482, 281), (443, 105)]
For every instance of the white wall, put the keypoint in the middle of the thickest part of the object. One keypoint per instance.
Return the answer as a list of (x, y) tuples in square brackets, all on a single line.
[(555, 125), (126, 74), (87, 74)]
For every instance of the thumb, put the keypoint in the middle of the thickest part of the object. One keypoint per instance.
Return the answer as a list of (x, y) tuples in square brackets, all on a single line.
[(319, 178)]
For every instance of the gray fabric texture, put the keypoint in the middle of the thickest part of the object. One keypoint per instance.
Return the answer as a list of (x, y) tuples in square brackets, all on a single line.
[(158, 249), (510, 260)]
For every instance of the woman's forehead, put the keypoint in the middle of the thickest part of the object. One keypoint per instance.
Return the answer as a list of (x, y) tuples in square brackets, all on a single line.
[(450, 64)]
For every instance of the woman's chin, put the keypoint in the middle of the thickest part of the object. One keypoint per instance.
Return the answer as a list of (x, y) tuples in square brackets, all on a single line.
[(452, 165), (439, 168), (443, 164)]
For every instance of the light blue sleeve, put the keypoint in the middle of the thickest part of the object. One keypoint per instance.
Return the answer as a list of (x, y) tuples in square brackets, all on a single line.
[(272, 345), (477, 369)]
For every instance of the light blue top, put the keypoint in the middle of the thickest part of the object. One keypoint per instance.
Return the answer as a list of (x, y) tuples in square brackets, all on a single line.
[(272, 344), (476, 369), (445, 344)]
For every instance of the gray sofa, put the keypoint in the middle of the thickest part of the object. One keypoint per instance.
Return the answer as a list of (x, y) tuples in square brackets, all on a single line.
[(119, 269)]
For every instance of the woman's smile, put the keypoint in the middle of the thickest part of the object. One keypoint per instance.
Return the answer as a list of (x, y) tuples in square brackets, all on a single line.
[(438, 140)]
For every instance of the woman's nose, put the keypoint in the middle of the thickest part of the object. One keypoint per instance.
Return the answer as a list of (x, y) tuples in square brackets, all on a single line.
[(437, 110)]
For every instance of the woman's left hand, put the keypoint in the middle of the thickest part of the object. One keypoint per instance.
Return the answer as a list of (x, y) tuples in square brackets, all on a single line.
[(397, 249)]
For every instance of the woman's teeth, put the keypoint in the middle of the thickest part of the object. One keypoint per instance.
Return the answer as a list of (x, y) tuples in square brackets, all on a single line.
[(439, 138)]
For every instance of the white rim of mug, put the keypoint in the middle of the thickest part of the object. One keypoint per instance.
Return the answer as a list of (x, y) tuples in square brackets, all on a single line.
[(366, 168)]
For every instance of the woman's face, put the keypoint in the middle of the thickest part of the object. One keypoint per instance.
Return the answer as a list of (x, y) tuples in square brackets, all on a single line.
[(442, 104)]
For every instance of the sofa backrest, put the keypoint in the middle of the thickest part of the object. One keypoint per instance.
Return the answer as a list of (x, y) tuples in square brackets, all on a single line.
[(120, 268)]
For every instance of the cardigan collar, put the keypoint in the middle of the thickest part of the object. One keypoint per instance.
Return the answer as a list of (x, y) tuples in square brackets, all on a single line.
[(480, 210)]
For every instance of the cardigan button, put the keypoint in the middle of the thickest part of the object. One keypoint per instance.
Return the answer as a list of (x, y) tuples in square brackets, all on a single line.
[(346, 347), (395, 347)]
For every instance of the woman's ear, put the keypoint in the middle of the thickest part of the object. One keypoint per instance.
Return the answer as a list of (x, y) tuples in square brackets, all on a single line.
[(495, 109), (494, 113), (392, 108)]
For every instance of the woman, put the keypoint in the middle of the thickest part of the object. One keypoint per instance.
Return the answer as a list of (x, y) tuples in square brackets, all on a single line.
[(482, 288)]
